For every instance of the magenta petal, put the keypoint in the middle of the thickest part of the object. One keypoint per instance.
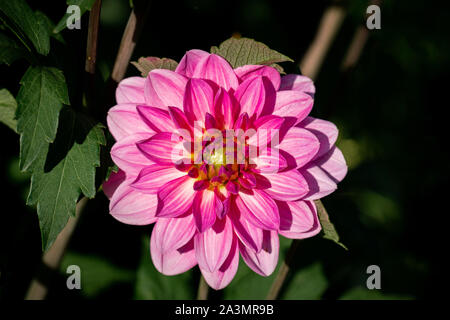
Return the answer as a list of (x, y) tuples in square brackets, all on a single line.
[(164, 88), (260, 209), (256, 95), (298, 219), (220, 278), (113, 182), (163, 148), (157, 119), (151, 178), (287, 186), (226, 108), (176, 197), (298, 83), (267, 128), (189, 62), (132, 207), (300, 145), (293, 104), (325, 131), (250, 235), (123, 120), (218, 70), (265, 261), (198, 100), (213, 246), (127, 156), (131, 90), (206, 207), (250, 71)]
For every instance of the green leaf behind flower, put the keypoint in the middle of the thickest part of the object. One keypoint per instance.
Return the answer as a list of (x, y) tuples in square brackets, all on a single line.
[(328, 229), (242, 51), (147, 64)]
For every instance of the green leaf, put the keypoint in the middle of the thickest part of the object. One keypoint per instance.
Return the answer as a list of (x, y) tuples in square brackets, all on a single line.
[(41, 96), (97, 274), (152, 285), (361, 293), (307, 284), (24, 19), (328, 229), (145, 65), (10, 51), (8, 106), (69, 170), (85, 5), (49, 25), (242, 51)]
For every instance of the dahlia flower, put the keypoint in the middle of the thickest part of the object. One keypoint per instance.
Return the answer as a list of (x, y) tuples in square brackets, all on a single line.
[(223, 161)]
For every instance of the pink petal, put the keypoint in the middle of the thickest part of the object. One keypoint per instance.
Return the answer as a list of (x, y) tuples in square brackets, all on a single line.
[(123, 121), (127, 156), (220, 278), (333, 163), (287, 186), (265, 261), (157, 119), (213, 246), (267, 128), (113, 182), (164, 148), (324, 174), (248, 234), (325, 131), (172, 233), (189, 62), (130, 90), (176, 261), (226, 108), (299, 146), (172, 245), (298, 83), (164, 88), (298, 219), (293, 104), (218, 70), (153, 177), (176, 197), (198, 100), (249, 71), (260, 209), (256, 95), (206, 207), (132, 207)]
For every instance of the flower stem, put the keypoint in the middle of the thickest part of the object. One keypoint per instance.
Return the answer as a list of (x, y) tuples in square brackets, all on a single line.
[(203, 289), (91, 51), (129, 38), (277, 284)]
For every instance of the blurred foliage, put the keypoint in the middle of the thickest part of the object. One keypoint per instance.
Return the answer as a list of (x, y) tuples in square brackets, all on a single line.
[(392, 133)]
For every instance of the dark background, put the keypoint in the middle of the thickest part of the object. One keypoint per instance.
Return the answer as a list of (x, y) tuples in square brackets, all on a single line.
[(390, 110)]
